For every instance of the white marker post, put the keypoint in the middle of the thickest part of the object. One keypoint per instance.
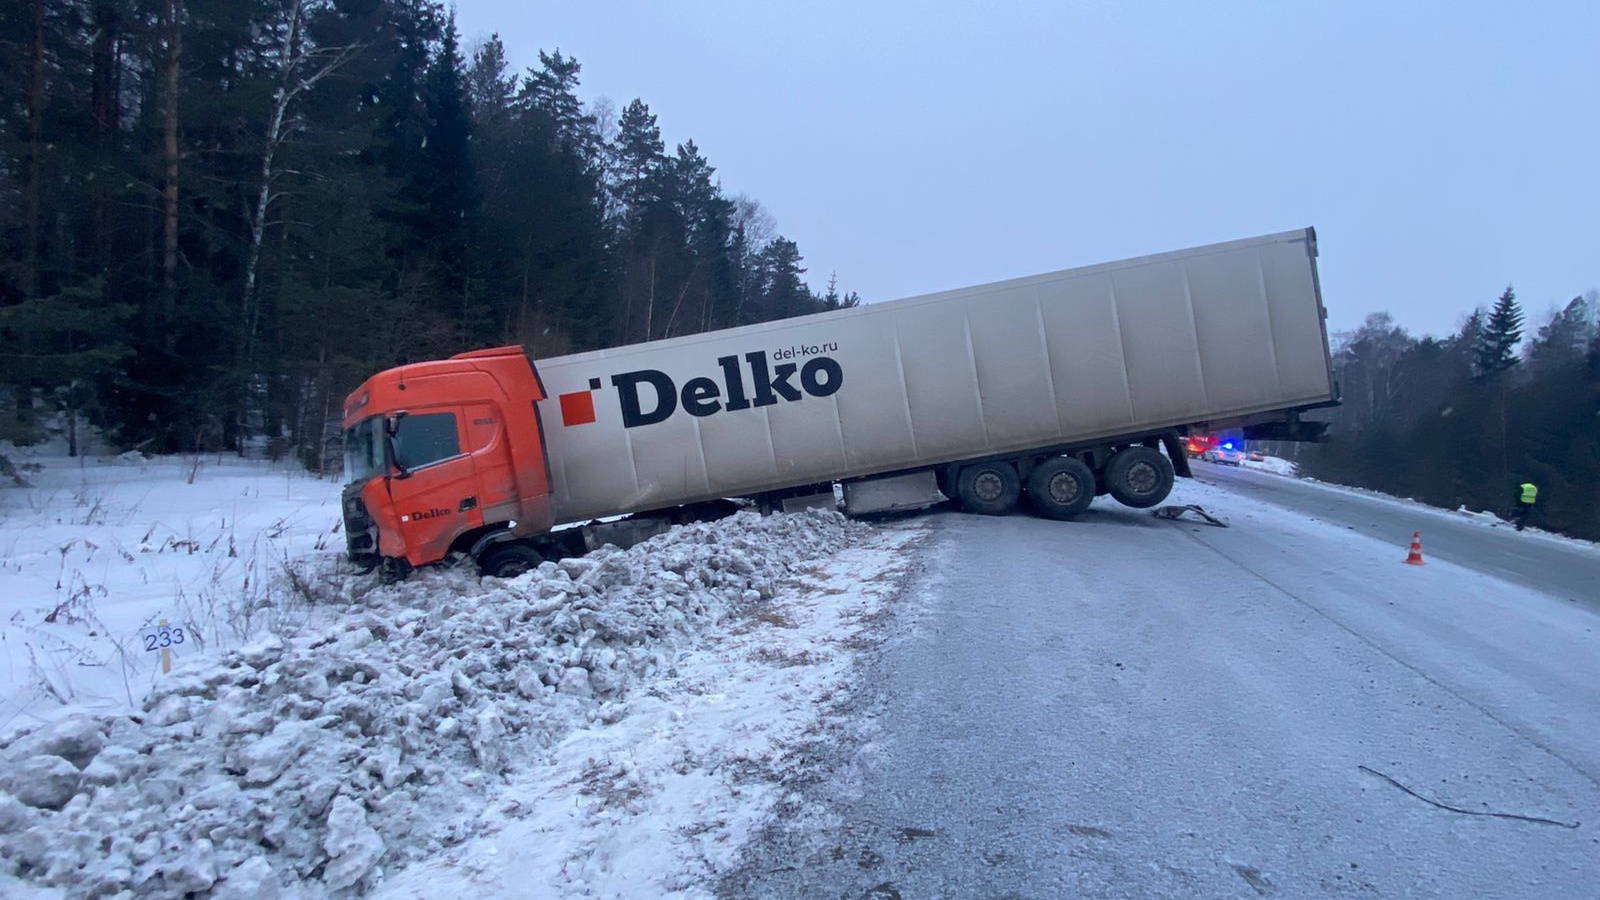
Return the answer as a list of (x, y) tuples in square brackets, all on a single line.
[(166, 654)]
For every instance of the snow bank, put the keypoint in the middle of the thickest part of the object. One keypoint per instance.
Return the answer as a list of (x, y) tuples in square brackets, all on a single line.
[(659, 803), (1274, 465), (1480, 515), (306, 768), (1484, 518)]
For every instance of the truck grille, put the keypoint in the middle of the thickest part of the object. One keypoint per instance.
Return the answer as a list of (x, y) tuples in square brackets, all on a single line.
[(360, 532)]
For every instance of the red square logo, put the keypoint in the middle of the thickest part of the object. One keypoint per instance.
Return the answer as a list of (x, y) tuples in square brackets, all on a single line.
[(577, 409)]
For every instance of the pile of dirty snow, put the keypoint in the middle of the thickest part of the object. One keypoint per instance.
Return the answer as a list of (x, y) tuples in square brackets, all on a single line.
[(306, 768)]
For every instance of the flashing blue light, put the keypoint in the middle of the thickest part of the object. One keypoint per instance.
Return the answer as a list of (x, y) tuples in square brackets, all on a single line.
[(1227, 446)]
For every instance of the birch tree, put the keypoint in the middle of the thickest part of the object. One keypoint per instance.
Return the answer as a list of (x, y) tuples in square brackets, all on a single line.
[(299, 67)]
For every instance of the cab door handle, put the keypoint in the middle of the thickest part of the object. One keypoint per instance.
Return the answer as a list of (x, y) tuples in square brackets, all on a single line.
[(468, 503)]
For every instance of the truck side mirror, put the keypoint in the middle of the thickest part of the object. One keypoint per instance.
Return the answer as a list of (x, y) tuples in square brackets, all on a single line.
[(391, 427)]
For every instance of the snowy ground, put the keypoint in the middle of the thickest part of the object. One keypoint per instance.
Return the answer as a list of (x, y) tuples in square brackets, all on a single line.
[(101, 550), (620, 725), (614, 725)]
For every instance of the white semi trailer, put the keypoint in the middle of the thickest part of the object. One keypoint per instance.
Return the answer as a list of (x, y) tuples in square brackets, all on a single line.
[(1050, 389)]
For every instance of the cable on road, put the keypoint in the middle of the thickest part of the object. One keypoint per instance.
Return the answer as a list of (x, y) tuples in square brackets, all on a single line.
[(1468, 812)]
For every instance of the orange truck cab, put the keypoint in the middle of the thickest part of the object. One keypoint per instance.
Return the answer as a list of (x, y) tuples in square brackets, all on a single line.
[(444, 457)]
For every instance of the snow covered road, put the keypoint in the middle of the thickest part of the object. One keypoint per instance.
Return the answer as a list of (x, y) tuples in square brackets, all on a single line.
[(1121, 707), (1541, 561)]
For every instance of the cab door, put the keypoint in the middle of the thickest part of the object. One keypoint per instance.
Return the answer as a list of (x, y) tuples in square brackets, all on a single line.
[(434, 487), (486, 440)]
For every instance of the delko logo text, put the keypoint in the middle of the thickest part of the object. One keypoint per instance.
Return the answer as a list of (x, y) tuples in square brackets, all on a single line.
[(819, 376)]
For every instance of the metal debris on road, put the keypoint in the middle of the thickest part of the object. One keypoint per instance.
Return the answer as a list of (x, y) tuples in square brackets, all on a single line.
[(1176, 512)]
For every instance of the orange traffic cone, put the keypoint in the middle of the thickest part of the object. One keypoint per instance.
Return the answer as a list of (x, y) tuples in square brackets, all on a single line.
[(1415, 559)]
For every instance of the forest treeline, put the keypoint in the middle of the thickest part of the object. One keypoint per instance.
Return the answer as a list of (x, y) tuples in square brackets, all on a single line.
[(219, 216), (1464, 420)]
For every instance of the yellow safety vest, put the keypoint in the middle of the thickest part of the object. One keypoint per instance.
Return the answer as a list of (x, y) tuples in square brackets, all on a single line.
[(1530, 493)]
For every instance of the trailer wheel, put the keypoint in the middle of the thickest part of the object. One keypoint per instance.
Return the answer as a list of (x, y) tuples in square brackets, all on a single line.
[(1139, 477), (989, 488), (509, 560), (1060, 487)]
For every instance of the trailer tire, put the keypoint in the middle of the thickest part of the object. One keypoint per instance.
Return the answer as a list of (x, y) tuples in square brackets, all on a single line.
[(1060, 488), (988, 488), (508, 560), (1139, 477)]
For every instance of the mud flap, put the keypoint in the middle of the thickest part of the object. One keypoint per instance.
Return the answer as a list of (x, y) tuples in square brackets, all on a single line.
[(1180, 459)]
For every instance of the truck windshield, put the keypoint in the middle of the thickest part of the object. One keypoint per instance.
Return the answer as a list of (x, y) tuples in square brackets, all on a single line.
[(363, 449)]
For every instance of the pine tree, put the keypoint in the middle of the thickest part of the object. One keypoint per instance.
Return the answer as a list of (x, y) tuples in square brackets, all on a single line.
[(786, 294), (1564, 340), (552, 89), (639, 156), (652, 234), (1501, 332), (708, 291)]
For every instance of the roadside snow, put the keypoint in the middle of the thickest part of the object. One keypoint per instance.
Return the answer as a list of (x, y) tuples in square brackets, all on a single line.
[(1459, 514), (100, 550), (659, 803), (1273, 465), (645, 704)]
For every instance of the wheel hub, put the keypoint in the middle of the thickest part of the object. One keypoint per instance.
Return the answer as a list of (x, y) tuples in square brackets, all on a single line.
[(1143, 478), (988, 487), (1064, 488)]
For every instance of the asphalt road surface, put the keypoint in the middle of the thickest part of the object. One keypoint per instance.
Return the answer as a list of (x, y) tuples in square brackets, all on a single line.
[(1125, 708), (1556, 567)]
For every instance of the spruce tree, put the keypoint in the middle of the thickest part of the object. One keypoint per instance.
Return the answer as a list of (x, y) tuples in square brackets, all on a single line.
[(830, 297), (58, 349), (1497, 347), (447, 186)]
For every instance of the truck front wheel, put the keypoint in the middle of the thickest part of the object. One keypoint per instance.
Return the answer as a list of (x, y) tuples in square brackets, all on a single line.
[(1139, 477), (1060, 487), (989, 488), (508, 560)]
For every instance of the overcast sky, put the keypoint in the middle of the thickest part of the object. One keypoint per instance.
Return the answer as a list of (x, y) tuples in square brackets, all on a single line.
[(1441, 150)]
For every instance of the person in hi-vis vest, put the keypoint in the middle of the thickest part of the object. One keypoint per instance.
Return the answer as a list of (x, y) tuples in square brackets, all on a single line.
[(1525, 501)]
